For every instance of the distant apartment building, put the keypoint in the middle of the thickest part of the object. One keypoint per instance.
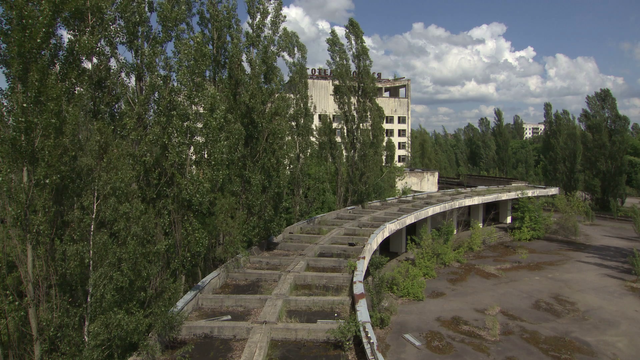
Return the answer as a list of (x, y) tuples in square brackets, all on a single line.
[(533, 130), (394, 96)]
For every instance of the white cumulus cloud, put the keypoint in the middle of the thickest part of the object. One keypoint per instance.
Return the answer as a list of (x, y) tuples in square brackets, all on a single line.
[(447, 70)]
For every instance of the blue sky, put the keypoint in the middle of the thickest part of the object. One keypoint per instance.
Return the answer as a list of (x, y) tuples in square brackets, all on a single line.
[(465, 57)]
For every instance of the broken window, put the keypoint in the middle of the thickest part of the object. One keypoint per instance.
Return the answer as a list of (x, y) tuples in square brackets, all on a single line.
[(402, 159), (388, 132), (388, 120), (402, 119), (402, 146)]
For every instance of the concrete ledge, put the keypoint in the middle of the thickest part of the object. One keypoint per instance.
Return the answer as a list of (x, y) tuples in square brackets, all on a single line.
[(221, 329), (211, 282), (268, 275), (286, 246), (303, 238), (308, 302), (310, 332), (247, 301), (322, 279), (327, 262)]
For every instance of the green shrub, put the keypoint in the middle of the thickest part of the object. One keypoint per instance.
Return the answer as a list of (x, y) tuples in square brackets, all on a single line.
[(406, 281), (635, 217), (530, 222), (634, 261), (343, 335), (474, 241)]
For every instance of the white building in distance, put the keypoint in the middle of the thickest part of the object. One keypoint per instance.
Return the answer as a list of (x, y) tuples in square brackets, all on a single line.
[(394, 96), (533, 129)]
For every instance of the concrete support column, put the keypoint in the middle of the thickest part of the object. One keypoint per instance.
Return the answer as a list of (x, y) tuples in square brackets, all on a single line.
[(505, 211), (477, 213), (398, 241), (454, 218)]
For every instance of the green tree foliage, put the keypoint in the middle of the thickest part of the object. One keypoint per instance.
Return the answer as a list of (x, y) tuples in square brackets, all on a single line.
[(561, 150), (142, 144), (517, 128), (529, 220), (607, 132), (362, 135), (502, 140)]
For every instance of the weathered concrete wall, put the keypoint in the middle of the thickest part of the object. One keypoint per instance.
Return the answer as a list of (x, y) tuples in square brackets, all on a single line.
[(362, 311), (419, 180)]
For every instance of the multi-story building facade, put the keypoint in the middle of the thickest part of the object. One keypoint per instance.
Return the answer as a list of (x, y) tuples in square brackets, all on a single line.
[(533, 129), (394, 96)]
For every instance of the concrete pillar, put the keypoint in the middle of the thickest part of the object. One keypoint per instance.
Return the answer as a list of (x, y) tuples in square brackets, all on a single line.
[(477, 213), (398, 241), (505, 211), (454, 218)]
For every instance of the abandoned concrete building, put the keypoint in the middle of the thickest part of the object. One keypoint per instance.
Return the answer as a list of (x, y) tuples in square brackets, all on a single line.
[(394, 96)]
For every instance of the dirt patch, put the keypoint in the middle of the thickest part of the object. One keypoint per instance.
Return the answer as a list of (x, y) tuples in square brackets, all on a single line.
[(294, 350), (326, 269), (632, 286), (209, 348), (312, 316), (236, 313), (555, 347), (246, 287), (477, 346), (532, 266), (461, 274), (263, 266), (436, 294), (336, 255), (437, 343), (560, 308), (511, 316), (319, 290), (281, 253), (461, 326)]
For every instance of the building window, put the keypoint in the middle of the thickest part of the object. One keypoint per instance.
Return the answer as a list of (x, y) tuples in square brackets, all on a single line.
[(388, 132), (402, 146), (388, 120), (338, 132), (402, 119), (402, 132), (337, 119), (402, 159)]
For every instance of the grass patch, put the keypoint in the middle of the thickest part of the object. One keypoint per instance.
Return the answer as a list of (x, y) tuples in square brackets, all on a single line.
[(437, 343)]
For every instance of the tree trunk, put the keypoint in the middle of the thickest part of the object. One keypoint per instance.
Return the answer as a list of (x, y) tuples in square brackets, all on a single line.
[(31, 298), (90, 287)]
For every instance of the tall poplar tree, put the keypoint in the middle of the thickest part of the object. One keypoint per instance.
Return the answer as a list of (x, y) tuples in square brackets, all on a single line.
[(606, 133), (354, 92)]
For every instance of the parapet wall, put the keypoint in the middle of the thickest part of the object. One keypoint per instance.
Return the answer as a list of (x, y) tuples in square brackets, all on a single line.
[(419, 180)]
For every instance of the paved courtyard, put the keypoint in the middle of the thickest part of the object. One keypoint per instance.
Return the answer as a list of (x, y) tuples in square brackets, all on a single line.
[(559, 299)]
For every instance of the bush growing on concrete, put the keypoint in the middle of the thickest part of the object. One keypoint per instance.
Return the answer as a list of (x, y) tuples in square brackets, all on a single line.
[(474, 241), (344, 334), (406, 281), (569, 207), (381, 310), (530, 222)]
